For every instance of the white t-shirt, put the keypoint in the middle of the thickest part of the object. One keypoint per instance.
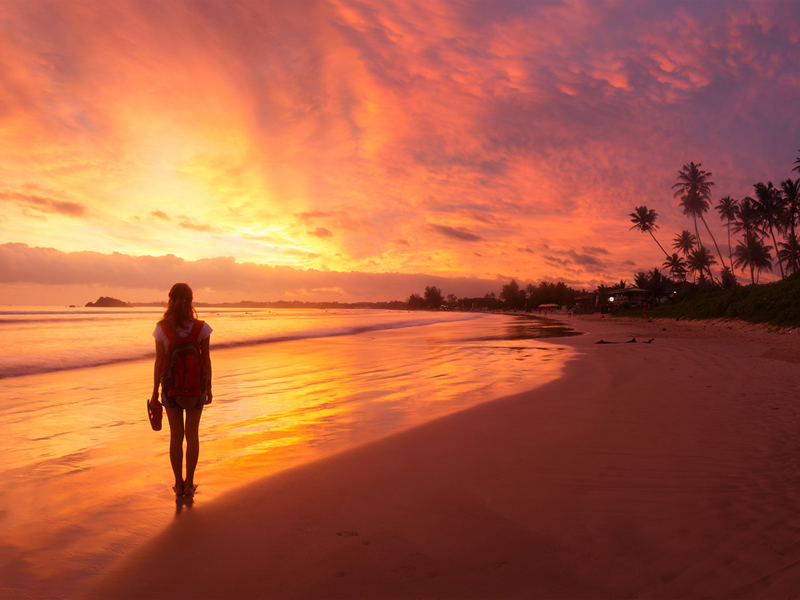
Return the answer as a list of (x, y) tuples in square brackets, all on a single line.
[(182, 332)]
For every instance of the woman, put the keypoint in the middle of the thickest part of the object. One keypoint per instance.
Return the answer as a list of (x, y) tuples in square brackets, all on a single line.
[(178, 322)]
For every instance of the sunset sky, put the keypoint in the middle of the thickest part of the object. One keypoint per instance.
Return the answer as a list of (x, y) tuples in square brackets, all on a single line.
[(362, 150)]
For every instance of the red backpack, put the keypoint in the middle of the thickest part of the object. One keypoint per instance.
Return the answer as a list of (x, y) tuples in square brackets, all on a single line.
[(184, 376)]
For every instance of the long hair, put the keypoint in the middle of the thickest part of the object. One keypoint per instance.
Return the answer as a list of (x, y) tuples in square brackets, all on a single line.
[(179, 309)]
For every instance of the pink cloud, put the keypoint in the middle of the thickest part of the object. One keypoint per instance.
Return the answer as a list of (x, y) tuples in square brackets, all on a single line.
[(321, 232), (276, 124), (45, 204), (224, 277)]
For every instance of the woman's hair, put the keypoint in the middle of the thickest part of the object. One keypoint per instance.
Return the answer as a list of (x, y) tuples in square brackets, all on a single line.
[(179, 309)]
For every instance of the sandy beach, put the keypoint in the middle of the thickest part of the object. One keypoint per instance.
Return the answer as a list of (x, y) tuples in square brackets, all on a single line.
[(661, 470)]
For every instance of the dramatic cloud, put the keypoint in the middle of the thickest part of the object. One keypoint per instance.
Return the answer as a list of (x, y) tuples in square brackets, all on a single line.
[(216, 279), (382, 137), (321, 232), (457, 233), (43, 204)]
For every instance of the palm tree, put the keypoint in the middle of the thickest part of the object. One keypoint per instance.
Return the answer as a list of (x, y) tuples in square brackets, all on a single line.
[(728, 208), (694, 189), (641, 279), (790, 251), (791, 195), (797, 164), (645, 221), (727, 279), (749, 217), (684, 242), (656, 282), (771, 206), (754, 254), (676, 266), (700, 261)]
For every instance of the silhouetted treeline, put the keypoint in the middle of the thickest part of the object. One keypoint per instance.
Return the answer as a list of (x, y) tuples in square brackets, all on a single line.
[(432, 299), (512, 297), (768, 224)]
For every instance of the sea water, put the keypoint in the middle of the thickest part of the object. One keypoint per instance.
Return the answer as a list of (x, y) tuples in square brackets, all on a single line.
[(84, 479)]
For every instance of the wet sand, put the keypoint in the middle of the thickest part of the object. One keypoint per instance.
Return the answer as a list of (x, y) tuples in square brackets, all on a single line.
[(84, 481), (661, 470)]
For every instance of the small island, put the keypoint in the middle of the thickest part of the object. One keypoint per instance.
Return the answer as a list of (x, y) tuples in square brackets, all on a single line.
[(107, 302)]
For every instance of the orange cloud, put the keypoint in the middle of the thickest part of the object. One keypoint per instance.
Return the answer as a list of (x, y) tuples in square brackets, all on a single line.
[(321, 232), (45, 204), (366, 136)]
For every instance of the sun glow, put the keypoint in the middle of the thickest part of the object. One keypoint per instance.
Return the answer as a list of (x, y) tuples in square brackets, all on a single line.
[(451, 141)]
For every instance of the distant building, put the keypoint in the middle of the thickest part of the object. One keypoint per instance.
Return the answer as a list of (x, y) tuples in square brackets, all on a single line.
[(631, 295)]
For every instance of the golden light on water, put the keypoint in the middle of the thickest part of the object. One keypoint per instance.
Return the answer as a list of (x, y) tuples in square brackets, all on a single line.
[(107, 475)]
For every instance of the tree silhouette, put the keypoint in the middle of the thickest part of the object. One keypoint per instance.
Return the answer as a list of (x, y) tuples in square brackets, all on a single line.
[(685, 242), (771, 207), (652, 281), (790, 251), (512, 296), (727, 279), (700, 261), (748, 219), (791, 196), (645, 221), (753, 254), (728, 209), (415, 302), (676, 266), (433, 297), (694, 189)]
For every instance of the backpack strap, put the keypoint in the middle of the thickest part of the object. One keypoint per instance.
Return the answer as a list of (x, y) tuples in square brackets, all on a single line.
[(169, 332), (195, 332)]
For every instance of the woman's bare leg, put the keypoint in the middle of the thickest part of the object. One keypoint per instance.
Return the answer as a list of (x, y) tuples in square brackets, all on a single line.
[(176, 432), (192, 447)]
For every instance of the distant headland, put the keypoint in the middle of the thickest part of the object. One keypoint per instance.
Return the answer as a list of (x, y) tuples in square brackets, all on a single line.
[(107, 302)]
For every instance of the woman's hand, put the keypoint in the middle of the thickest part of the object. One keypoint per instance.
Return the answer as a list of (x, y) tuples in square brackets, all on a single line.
[(209, 396)]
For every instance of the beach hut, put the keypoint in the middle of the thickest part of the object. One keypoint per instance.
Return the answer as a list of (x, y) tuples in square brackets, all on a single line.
[(585, 302), (549, 307), (632, 295)]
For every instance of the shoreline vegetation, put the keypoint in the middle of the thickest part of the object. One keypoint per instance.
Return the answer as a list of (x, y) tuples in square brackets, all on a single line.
[(773, 304)]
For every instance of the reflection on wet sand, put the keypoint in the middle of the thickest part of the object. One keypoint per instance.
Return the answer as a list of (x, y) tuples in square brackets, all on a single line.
[(84, 479)]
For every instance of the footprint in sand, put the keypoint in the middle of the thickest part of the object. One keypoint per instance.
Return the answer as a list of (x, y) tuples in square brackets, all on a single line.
[(347, 533)]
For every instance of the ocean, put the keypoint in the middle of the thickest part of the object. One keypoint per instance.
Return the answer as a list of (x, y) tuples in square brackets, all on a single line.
[(84, 479)]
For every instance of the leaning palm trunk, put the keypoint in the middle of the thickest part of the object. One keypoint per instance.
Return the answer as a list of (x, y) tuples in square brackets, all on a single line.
[(659, 245), (697, 233), (713, 240), (778, 256), (730, 250)]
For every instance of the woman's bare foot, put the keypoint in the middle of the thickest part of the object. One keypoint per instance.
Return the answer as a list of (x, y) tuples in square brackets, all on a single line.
[(178, 489), (189, 489)]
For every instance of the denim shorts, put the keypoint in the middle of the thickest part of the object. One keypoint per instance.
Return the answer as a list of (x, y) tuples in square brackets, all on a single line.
[(171, 401)]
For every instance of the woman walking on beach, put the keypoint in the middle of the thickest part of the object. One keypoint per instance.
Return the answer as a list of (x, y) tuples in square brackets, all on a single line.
[(179, 335)]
